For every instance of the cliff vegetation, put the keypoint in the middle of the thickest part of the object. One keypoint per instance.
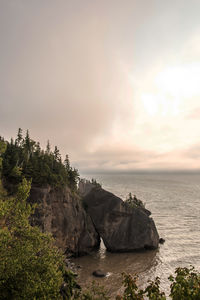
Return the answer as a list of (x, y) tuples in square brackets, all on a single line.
[(23, 157), (31, 267)]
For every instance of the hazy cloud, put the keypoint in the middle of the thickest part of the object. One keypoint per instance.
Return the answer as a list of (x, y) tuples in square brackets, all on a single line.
[(115, 84), (194, 114)]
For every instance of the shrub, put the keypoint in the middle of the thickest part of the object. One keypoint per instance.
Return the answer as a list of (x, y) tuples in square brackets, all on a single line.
[(133, 201), (31, 267), (186, 284)]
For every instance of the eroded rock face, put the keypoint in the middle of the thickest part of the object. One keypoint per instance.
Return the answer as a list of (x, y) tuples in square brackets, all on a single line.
[(121, 227), (61, 213)]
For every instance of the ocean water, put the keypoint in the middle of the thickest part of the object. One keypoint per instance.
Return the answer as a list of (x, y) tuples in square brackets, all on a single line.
[(174, 200)]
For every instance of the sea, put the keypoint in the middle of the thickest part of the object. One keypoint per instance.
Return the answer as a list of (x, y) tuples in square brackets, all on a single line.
[(174, 201)]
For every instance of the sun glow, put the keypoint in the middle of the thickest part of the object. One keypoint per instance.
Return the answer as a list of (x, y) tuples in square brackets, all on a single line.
[(170, 91), (182, 81), (159, 104)]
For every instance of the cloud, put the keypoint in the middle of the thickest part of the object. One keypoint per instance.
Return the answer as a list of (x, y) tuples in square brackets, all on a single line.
[(114, 160), (193, 153), (103, 80), (63, 83), (194, 114)]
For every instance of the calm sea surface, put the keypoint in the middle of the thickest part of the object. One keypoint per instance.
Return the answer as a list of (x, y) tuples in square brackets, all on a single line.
[(174, 200)]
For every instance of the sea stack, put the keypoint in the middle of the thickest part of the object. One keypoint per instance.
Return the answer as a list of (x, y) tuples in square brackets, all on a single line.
[(122, 228)]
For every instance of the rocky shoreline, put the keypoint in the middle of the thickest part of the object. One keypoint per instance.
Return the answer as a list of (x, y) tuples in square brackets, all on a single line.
[(77, 221)]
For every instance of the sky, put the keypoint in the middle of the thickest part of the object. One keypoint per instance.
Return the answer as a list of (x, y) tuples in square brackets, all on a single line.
[(114, 84)]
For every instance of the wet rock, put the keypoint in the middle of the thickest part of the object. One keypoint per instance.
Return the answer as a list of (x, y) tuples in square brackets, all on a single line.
[(161, 241), (122, 228), (72, 266), (99, 273)]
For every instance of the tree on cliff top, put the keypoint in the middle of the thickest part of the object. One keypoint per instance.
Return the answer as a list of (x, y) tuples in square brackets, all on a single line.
[(2, 150), (24, 158)]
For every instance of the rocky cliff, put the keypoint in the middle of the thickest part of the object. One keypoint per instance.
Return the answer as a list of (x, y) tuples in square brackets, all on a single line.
[(78, 222), (122, 228), (60, 212)]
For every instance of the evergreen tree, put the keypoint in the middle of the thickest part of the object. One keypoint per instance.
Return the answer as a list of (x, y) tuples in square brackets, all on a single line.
[(26, 158), (67, 163), (73, 177), (19, 139), (57, 155), (2, 150), (48, 148), (37, 148), (27, 142)]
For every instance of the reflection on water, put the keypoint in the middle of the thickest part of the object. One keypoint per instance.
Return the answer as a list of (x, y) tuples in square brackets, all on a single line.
[(102, 250), (174, 201), (114, 264)]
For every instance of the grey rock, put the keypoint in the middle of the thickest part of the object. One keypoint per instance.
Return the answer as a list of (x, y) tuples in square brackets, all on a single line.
[(121, 227), (61, 213), (84, 187), (161, 241), (99, 273)]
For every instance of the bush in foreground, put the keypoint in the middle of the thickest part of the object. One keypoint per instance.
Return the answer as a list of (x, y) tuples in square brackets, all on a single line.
[(31, 267), (185, 285)]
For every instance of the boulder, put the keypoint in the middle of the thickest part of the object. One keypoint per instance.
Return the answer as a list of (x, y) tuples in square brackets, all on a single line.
[(60, 212), (161, 241), (122, 228), (99, 273)]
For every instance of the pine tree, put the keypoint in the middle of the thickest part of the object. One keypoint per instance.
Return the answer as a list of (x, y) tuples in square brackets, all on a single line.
[(37, 148), (27, 141), (67, 163), (19, 139), (24, 157), (57, 155), (3, 146), (48, 148)]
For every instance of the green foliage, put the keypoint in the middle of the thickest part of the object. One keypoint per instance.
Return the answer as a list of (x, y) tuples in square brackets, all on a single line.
[(131, 290), (2, 150), (186, 284), (24, 158), (94, 292), (153, 290), (133, 201), (16, 173), (70, 289), (31, 267), (95, 183)]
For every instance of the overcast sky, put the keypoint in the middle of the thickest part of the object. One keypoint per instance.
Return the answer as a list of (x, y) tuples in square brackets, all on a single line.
[(115, 84)]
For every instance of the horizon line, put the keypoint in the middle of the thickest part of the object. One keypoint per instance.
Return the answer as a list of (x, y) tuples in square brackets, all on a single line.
[(99, 171)]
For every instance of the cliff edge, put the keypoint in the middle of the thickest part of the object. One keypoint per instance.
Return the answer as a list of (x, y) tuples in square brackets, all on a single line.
[(78, 222), (60, 212)]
